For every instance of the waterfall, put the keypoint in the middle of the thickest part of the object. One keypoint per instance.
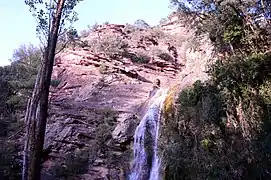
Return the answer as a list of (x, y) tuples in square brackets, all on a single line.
[(145, 165)]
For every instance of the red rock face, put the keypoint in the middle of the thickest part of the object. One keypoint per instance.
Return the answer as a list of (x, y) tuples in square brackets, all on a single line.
[(91, 81)]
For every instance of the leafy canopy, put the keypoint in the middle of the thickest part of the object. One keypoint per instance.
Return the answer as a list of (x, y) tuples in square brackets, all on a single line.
[(43, 11), (236, 25)]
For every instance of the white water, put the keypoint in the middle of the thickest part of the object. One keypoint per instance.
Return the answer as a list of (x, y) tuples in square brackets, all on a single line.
[(141, 170)]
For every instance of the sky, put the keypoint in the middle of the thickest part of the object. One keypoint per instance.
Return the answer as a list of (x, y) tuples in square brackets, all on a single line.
[(18, 26)]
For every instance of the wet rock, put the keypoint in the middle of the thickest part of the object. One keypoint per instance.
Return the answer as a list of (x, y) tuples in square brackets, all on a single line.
[(124, 131)]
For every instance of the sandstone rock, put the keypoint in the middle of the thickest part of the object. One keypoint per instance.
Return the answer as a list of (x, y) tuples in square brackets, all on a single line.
[(124, 131), (84, 91)]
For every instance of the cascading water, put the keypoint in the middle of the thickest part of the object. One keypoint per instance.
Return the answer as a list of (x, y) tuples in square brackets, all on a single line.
[(146, 161)]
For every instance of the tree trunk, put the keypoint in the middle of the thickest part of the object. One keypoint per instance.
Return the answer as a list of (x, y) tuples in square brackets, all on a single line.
[(37, 112)]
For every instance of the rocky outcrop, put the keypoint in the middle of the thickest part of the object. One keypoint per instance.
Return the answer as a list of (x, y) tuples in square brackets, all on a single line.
[(100, 99), (125, 129)]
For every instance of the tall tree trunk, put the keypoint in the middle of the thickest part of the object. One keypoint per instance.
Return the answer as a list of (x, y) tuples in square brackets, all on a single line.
[(37, 111)]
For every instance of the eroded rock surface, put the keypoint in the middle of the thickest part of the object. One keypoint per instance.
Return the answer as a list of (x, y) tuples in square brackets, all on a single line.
[(125, 129), (94, 113)]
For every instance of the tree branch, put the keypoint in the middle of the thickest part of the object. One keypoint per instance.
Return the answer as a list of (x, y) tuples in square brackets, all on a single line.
[(63, 47)]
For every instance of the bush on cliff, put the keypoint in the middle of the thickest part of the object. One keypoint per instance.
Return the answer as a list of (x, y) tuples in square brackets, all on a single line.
[(221, 129)]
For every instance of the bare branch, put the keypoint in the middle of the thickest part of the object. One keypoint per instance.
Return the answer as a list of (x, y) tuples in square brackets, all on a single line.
[(63, 47)]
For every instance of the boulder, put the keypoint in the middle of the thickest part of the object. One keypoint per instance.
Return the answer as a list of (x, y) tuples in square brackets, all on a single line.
[(124, 131)]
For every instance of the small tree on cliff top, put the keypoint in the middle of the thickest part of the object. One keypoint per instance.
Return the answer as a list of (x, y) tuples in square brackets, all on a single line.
[(52, 17)]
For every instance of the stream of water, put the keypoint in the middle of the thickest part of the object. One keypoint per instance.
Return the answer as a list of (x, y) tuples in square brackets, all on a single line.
[(146, 162)]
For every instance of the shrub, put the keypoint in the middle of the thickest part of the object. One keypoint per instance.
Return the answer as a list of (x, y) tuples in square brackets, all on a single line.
[(93, 27), (265, 91), (240, 71), (165, 56), (130, 29), (106, 23), (195, 140), (109, 44), (141, 24), (29, 54), (138, 57), (141, 58), (9, 160), (163, 21), (192, 134), (55, 82), (189, 97)]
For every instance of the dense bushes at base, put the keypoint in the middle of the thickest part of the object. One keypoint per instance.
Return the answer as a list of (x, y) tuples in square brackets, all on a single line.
[(16, 85), (221, 129), (10, 166)]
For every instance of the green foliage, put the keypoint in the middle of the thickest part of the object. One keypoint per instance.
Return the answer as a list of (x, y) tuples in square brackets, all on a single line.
[(45, 13), (163, 21), (27, 54), (6, 91), (130, 29), (221, 129), (265, 91), (190, 96), (239, 71), (55, 82), (232, 110), (163, 55), (138, 57), (106, 23), (206, 143), (72, 34), (229, 24), (141, 57), (141, 24), (16, 85), (233, 33), (20, 76), (10, 166)]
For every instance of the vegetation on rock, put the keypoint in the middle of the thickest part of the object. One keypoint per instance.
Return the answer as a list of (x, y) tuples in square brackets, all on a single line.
[(220, 129), (16, 82)]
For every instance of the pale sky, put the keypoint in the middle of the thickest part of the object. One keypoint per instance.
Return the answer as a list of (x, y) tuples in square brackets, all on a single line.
[(18, 26)]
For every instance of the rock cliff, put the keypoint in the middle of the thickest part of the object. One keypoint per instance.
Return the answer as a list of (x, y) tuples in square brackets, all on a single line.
[(103, 89)]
